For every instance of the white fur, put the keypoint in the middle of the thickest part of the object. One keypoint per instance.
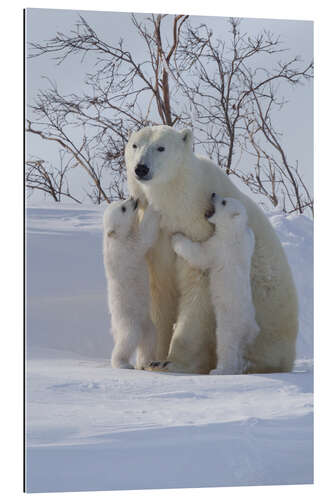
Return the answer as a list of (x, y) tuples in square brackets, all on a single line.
[(126, 243), (227, 255), (179, 186)]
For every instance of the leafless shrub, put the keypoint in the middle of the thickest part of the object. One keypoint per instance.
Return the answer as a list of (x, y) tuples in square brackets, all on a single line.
[(53, 181)]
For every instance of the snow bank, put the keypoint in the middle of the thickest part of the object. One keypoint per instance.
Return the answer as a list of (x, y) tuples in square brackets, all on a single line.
[(296, 235)]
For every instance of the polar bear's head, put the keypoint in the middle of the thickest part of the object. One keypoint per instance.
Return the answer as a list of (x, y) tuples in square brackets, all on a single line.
[(119, 218), (154, 155), (226, 213)]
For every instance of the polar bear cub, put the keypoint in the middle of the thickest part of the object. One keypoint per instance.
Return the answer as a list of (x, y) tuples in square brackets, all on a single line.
[(126, 242), (227, 255)]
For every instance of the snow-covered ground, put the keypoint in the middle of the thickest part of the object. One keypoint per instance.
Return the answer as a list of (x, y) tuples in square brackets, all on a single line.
[(90, 427)]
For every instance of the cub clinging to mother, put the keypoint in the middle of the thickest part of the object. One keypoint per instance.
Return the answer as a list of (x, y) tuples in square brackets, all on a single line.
[(227, 255)]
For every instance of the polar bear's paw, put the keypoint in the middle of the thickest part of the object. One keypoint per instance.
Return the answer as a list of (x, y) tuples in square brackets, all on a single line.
[(158, 366), (170, 366)]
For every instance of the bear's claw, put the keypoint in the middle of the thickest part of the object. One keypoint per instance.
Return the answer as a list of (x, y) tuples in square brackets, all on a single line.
[(158, 366)]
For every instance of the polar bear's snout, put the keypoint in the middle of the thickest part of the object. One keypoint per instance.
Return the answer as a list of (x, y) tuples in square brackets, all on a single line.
[(141, 170)]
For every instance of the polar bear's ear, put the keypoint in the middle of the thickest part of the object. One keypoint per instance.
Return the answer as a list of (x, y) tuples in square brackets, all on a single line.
[(186, 136)]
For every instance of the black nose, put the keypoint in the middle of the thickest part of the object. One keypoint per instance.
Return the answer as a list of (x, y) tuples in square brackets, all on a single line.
[(141, 170), (213, 196)]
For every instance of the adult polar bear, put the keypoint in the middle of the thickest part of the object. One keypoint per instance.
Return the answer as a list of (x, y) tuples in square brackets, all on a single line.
[(163, 171)]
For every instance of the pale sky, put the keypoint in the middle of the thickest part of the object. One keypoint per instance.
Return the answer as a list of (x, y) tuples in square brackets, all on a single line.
[(295, 120)]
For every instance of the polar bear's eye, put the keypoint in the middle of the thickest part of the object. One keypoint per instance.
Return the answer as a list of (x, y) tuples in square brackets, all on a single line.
[(224, 202), (123, 209), (134, 146), (160, 149)]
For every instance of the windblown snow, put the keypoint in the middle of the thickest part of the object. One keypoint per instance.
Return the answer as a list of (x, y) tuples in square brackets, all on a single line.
[(91, 427)]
